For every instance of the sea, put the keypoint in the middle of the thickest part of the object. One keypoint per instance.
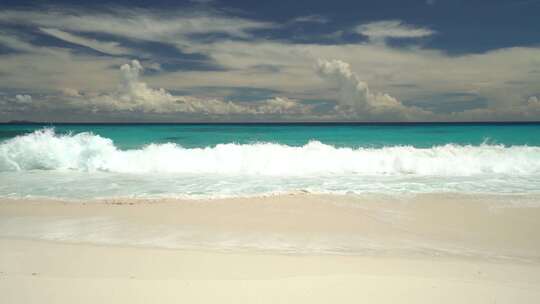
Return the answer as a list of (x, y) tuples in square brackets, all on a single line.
[(205, 161)]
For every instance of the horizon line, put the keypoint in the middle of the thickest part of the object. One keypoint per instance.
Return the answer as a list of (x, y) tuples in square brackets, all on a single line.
[(23, 122)]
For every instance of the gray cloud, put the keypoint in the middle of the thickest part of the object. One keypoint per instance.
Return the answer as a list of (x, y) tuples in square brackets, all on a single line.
[(533, 101), (449, 103)]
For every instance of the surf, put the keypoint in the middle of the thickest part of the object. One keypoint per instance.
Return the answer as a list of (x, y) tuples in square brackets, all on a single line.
[(46, 150)]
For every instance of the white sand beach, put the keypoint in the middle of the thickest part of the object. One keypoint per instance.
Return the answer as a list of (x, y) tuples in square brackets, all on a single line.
[(285, 249)]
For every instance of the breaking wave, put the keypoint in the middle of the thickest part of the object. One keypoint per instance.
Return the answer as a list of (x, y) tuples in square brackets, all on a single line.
[(87, 152)]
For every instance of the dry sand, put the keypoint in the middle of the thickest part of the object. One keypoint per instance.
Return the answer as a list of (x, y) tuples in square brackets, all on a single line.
[(286, 249)]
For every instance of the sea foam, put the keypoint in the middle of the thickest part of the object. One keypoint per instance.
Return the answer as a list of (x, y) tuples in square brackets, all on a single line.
[(87, 152)]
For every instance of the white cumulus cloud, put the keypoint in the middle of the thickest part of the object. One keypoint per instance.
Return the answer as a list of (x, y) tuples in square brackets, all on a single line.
[(70, 92), (133, 94), (355, 98), (23, 98)]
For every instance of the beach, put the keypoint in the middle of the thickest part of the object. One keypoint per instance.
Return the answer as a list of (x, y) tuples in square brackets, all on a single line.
[(133, 213), (208, 151), (443, 248)]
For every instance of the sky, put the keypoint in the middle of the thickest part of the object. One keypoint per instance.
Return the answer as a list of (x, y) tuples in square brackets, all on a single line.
[(270, 61)]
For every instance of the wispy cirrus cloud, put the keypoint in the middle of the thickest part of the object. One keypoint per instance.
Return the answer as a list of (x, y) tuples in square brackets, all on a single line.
[(136, 24), (109, 47), (381, 30), (311, 19)]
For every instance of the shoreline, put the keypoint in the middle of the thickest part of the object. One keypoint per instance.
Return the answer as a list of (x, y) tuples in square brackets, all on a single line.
[(370, 225), (283, 249), (390, 196)]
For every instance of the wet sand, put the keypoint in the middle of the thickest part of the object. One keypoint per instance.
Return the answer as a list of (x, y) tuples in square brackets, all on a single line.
[(282, 249)]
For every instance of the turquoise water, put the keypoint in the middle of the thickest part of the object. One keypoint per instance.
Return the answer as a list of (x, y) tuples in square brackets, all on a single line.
[(418, 135), (84, 161)]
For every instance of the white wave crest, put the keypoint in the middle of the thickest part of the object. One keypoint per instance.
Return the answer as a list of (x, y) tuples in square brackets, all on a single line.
[(46, 150)]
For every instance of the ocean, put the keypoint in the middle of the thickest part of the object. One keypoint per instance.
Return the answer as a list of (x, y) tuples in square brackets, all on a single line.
[(193, 161)]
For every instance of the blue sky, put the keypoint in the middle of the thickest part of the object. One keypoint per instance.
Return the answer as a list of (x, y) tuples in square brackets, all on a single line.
[(434, 60)]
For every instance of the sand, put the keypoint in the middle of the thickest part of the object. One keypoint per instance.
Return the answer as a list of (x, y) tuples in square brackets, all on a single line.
[(286, 249)]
